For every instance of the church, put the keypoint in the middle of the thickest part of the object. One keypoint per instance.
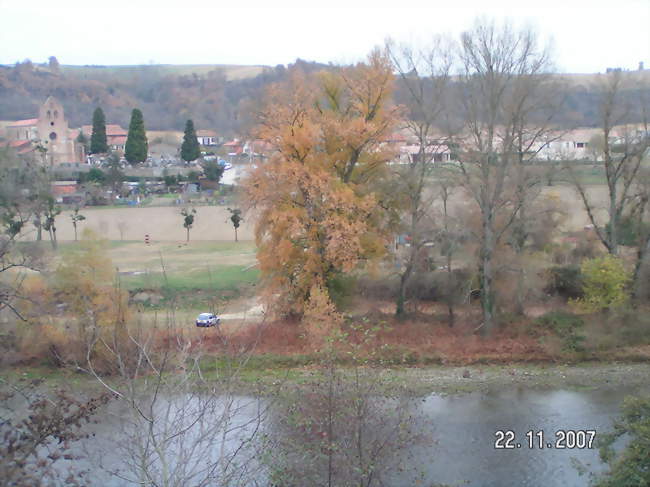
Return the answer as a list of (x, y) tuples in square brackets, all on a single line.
[(50, 131)]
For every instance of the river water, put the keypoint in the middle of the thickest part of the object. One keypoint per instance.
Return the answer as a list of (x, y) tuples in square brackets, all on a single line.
[(461, 429)]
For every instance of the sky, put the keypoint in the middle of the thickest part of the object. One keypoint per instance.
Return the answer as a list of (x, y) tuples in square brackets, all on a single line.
[(585, 36)]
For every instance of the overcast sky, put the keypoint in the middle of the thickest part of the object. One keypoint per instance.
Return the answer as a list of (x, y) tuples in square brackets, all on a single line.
[(587, 36)]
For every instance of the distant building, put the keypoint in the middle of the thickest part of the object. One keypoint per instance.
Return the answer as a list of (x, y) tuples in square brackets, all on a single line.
[(207, 138), (49, 131), (573, 145), (115, 136), (235, 147)]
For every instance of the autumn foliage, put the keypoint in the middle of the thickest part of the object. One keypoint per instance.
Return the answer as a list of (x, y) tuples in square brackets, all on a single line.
[(317, 197)]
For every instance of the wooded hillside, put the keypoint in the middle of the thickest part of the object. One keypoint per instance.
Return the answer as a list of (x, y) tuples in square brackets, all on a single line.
[(217, 97)]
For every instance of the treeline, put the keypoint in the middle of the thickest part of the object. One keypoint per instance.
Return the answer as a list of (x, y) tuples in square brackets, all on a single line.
[(167, 100), (332, 208)]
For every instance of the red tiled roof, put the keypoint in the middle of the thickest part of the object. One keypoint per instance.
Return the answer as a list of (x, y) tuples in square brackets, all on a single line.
[(232, 143), (259, 146), (25, 123), (111, 129), (115, 130), (18, 143), (21, 146), (117, 139), (61, 189), (206, 133), (395, 137)]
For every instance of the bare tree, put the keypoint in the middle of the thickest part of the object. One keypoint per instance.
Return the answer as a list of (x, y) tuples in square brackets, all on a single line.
[(122, 227), (342, 429), (498, 64), (622, 152), (16, 206), (76, 217), (180, 426), (37, 430), (452, 232), (425, 80), (531, 109)]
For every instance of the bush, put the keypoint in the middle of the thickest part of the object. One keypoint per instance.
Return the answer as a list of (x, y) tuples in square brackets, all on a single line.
[(425, 286), (605, 284), (341, 288), (565, 281), (629, 231), (396, 355), (629, 466), (565, 325)]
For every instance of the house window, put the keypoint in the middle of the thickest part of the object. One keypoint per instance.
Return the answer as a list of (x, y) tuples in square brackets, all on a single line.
[(52, 135), (581, 145), (56, 113), (49, 114)]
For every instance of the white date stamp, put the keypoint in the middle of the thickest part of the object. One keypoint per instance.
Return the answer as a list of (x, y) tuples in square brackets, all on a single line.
[(539, 440)]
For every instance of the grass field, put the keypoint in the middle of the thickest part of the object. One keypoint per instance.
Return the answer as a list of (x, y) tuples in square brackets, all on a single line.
[(193, 275), (212, 278)]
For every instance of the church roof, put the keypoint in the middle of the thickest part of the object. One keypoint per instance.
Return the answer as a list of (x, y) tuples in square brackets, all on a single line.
[(25, 123)]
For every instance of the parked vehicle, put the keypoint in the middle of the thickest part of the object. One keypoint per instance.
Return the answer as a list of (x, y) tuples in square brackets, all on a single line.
[(207, 319)]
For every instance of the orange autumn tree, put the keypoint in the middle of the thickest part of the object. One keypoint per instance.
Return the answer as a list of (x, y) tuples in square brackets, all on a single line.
[(319, 210)]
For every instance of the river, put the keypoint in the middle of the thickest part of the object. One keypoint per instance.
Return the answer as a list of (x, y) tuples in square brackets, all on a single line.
[(461, 429)]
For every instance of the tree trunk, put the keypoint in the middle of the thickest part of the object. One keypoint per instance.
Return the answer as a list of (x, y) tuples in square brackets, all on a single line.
[(39, 228), (450, 292), (486, 275), (52, 233), (236, 235), (613, 222), (188, 235), (641, 253), (75, 231), (401, 295)]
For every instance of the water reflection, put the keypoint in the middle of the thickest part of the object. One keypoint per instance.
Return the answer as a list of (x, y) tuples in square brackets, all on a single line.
[(458, 433), (465, 426)]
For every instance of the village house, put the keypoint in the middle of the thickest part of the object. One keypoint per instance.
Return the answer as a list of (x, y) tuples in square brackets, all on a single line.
[(115, 136), (49, 132), (234, 147), (573, 145), (207, 138)]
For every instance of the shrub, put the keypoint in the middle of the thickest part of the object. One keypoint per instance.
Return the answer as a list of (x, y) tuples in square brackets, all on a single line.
[(628, 466), (341, 288), (629, 231), (605, 284), (565, 325), (586, 248), (396, 355), (565, 281)]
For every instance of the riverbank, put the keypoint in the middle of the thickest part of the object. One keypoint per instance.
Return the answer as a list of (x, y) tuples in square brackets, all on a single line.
[(443, 380)]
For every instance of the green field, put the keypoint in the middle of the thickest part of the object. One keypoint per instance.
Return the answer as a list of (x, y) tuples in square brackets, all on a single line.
[(194, 273), (217, 278)]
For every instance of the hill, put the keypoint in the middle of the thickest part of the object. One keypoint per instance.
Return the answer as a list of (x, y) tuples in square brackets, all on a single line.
[(97, 72), (218, 97)]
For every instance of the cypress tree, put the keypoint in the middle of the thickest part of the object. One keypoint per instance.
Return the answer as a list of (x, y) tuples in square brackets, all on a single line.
[(98, 143), (190, 149), (137, 147)]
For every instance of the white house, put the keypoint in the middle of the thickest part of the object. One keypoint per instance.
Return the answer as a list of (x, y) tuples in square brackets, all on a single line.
[(207, 137), (572, 145)]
